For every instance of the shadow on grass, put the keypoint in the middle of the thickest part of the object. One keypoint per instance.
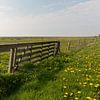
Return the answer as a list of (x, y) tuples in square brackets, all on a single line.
[(42, 73)]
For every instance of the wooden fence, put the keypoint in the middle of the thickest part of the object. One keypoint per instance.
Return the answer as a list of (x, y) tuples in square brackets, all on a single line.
[(77, 44), (29, 52)]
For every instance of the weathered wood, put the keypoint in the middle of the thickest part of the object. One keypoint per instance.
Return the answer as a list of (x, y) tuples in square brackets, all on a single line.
[(50, 45), (27, 54), (11, 60), (7, 47), (27, 49), (46, 53), (47, 56), (35, 61), (24, 60), (31, 52), (52, 48), (57, 48), (69, 44)]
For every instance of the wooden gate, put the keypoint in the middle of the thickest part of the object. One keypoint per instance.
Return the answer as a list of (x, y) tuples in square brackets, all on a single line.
[(29, 52)]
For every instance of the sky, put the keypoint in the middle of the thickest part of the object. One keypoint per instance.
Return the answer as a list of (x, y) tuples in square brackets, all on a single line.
[(49, 17)]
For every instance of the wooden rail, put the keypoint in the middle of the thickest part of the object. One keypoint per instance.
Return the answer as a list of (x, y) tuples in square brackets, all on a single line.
[(29, 52)]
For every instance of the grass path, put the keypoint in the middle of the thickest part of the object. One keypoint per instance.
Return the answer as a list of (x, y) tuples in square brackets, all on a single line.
[(76, 77)]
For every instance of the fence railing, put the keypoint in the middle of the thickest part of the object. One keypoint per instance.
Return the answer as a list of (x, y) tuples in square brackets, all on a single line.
[(29, 52), (73, 45)]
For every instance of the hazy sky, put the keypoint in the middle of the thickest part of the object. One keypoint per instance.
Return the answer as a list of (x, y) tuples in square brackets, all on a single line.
[(49, 17)]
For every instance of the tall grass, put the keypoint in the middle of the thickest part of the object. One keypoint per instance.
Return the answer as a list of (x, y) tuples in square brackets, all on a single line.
[(66, 77)]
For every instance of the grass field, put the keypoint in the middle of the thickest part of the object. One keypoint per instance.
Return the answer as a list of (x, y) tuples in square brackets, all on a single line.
[(70, 76)]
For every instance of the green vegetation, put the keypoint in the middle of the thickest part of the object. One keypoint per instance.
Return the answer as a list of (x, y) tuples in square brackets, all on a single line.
[(36, 78), (69, 76), (81, 77)]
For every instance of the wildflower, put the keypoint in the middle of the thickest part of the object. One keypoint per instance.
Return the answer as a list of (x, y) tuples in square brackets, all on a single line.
[(87, 79), (94, 99), (65, 87), (80, 83), (97, 85), (64, 78), (79, 92), (91, 84), (66, 93), (72, 71), (71, 94), (85, 83), (89, 68), (89, 98), (65, 70), (76, 98), (65, 96)]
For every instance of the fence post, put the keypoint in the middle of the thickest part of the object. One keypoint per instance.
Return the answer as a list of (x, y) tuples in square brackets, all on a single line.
[(41, 51), (11, 60), (57, 48), (69, 43)]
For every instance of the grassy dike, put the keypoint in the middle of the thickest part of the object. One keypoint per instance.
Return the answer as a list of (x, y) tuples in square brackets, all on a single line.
[(73, 77)]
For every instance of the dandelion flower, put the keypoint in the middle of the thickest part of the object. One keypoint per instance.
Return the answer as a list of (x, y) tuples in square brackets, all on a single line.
[(65, 87), (89, 98), (76, 98), (71, 94), (97, 85), (65, 96), (66, 93), (72, 71), (91, 84), (85, 83), (65, 70), (64, 78), (79, 92), (87, 79)]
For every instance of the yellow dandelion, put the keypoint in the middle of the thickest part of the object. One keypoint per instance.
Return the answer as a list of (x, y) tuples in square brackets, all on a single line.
[(65, 96), (64, 87), (89, 98), (71, 94), (87, 79), (76, 98), (91, 84), (66, 93), (72, 71), (85, 83), (80, 83), (94, 99), (89, 68), (87, 75), (64, 78), (97, 85), (65, 70), (79, 92), (86, 69)]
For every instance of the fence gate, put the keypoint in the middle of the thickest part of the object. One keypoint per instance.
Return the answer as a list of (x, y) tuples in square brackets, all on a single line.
[(29, 52)]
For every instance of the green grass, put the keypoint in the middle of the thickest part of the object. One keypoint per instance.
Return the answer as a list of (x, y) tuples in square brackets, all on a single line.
[(83, 75), (4, 57), (36, 78), (74, 75), (63, 40)]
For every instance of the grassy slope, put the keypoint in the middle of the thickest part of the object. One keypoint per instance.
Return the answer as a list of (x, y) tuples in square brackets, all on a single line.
[(69, 78), (82, 76), (63, 40)]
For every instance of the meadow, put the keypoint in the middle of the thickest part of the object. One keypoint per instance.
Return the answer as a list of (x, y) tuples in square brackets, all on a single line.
[(72, 75)]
